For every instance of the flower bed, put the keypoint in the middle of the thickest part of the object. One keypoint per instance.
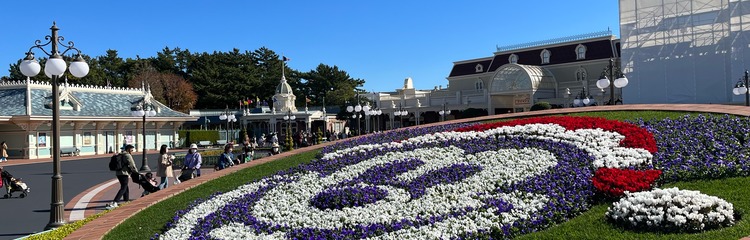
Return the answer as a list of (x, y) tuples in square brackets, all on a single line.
[(493, 180), (613, 182), (672, 210), (702, 147)]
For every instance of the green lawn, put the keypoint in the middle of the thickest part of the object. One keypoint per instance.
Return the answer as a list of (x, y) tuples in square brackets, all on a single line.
[(590, 225)]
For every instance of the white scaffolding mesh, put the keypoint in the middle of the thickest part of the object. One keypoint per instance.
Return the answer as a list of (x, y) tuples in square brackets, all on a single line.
[(684, 51)]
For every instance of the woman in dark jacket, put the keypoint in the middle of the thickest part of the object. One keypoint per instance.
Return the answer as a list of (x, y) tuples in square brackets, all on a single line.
[(122, 176), (226, 158)]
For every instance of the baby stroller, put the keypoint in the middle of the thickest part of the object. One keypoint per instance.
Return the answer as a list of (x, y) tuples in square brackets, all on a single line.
[(146, 182), (12, 185)]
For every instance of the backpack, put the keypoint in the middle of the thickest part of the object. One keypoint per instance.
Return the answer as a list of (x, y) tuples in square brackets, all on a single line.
[(115, 164)]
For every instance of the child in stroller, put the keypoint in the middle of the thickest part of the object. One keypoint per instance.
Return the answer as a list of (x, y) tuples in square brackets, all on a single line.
[(146, 181), (12, 184)]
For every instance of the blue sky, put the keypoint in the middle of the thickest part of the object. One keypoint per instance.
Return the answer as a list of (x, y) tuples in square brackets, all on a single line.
[(382, 42)]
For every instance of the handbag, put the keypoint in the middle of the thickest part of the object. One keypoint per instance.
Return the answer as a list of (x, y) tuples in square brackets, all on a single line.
[(186, 174)]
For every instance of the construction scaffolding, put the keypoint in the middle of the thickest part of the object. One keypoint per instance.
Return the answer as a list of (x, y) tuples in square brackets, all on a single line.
[(684, 51)]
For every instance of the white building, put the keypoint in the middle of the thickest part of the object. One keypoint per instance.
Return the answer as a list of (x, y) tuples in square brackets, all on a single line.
[(512, 79), (684, 51), (263, 120), (94, 120)]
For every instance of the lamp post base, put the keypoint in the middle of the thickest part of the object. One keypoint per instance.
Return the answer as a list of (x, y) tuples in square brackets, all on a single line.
[(53, 225), (144, 163)]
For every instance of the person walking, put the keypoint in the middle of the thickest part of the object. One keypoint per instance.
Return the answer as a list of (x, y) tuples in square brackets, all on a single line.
[(122, 176), (4, 156), (165, 167)]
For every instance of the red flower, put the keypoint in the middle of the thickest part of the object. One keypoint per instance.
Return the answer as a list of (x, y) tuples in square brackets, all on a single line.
[(635, 137), (614, 182)]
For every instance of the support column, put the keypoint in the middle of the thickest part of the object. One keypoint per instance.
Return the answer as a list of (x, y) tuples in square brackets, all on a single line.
[(157, 135)]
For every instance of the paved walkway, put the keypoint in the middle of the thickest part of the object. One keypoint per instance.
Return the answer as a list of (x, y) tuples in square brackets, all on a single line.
[(93, 200)]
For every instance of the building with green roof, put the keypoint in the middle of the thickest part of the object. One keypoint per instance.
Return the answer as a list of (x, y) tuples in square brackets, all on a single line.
[(94, 120)]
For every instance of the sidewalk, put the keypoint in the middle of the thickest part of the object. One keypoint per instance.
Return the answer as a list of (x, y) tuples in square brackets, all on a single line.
[(18, 161), (95, 199)]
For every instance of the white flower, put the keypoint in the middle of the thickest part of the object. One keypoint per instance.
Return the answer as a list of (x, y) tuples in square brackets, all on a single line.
[(670, 208)]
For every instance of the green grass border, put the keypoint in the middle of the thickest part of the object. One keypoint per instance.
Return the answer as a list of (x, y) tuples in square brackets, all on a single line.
[(65, 230), (589, 225)]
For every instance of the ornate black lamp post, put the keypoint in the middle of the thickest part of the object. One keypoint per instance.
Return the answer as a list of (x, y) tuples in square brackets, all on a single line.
[(230, 118), (355, 111), (400, 113), (144, 109), (289, 117), (324, 118), (620, 81), (444, 112), (582, 99), (742, 88), (55, 67), (376, 113)]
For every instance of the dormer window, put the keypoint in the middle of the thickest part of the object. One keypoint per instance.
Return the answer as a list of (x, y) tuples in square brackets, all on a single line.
[(479, 68), (513, 58), (580, 52), (67, 100), (545, 56)]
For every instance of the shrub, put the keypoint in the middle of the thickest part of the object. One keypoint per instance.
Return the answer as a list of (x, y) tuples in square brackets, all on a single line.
[(195, 136), (541, 106)]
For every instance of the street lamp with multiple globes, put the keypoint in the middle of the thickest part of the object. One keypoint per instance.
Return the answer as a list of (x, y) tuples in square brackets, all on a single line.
[(444, 112), (376, 113), (582, 99), (366, 113), (55, 66), (742, 88), (401, 113), (611, 73), (144, 109), (289, 117), (230, 118), (355, 111), (324, 118)]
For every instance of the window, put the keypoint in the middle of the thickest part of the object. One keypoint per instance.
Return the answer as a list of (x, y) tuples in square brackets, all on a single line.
[(87, 138), (580, 52), (581, 74), (513, 58), (479, 68), (479, 85), (545, 56)]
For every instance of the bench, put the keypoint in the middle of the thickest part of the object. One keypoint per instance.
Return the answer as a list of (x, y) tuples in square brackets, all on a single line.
[(71, 151), (204, 143), (220, 143)]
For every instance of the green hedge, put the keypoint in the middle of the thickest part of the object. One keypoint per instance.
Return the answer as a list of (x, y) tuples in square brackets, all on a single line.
[(541, 106), (195, 136), (210, 158)]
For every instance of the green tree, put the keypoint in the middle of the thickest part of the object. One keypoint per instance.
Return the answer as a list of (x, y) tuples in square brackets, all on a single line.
[(331, 83)]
